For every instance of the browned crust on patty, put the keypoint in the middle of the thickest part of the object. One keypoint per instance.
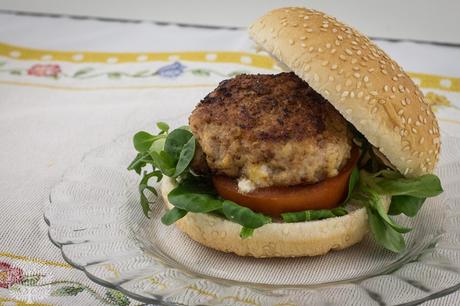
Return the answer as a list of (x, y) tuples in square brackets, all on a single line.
[(267, 107)]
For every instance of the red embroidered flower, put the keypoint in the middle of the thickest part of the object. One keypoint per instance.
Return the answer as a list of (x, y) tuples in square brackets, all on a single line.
[(44, 70), (9, 275)]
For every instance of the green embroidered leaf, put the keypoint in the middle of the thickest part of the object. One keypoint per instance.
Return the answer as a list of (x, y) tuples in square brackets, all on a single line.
[(237, 72), (117, 298), (30, 280), (141, 73), (68, 291), (114, 75), (200, 72), (83, 71)]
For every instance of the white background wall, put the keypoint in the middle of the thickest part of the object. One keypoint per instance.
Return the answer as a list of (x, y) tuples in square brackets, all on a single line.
[(427, 20)]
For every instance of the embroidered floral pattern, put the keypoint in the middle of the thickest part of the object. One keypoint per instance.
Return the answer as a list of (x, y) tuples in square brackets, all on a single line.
[(170, 71), (35, 286), (9, 275), (41, 70)]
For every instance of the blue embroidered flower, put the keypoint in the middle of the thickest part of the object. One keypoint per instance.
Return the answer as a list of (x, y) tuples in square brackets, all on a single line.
[(171, 71)]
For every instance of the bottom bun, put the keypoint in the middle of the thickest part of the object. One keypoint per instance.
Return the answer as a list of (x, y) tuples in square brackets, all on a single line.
[(311, 238)]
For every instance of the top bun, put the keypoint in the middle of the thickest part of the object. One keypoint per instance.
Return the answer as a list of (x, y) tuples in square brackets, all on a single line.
[(359, 79)]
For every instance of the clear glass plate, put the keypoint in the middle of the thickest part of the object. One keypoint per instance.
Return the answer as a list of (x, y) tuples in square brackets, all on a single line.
[(95, 218)]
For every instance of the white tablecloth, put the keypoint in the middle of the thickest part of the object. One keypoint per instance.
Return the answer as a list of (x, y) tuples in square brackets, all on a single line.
[(68, 86)]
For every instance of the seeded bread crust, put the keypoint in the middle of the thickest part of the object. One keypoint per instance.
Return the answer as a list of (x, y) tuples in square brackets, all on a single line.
[(311, 238), (362, 82)]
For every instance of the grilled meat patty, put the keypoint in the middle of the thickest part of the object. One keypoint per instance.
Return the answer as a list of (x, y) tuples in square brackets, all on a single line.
[(271, 130)]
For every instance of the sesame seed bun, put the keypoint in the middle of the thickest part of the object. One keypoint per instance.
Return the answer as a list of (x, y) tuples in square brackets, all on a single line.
[(310, 238), (359, 79)]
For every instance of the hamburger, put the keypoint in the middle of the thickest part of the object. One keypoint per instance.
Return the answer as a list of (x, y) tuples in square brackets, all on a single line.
[(301, 162)]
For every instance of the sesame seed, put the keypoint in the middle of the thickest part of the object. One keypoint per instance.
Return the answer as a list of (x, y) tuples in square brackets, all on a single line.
[(331, 78), (373, 93), (333, 51), (401, 111), (382, 101), (306, 17), (422, 140), (342, 57), (345, 93), (371, 70), (339, 37), (384, 71), (373, 102), (360, 94), (303, 37), (366, 79), (414, 130), (356, 75), (316, 77), (307, 68), (348, 51), (395, 78), (291, 42), (374, 110), (309, 30), (334, 30), (303, 45), (320, 50), (386, 88), (324, 63), (352, 94), (328, 45), (311, 49)]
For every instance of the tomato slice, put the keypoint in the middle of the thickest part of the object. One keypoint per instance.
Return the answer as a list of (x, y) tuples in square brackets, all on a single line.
[(275, 200)]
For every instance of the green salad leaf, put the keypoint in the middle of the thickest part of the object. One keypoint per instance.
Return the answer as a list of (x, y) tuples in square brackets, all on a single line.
[(193, 200), (243, 215), (310, 215), (172, 215), (246, 232), (170, 153), (352, 182), (423, 186), (384, 234), (403, 204)]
